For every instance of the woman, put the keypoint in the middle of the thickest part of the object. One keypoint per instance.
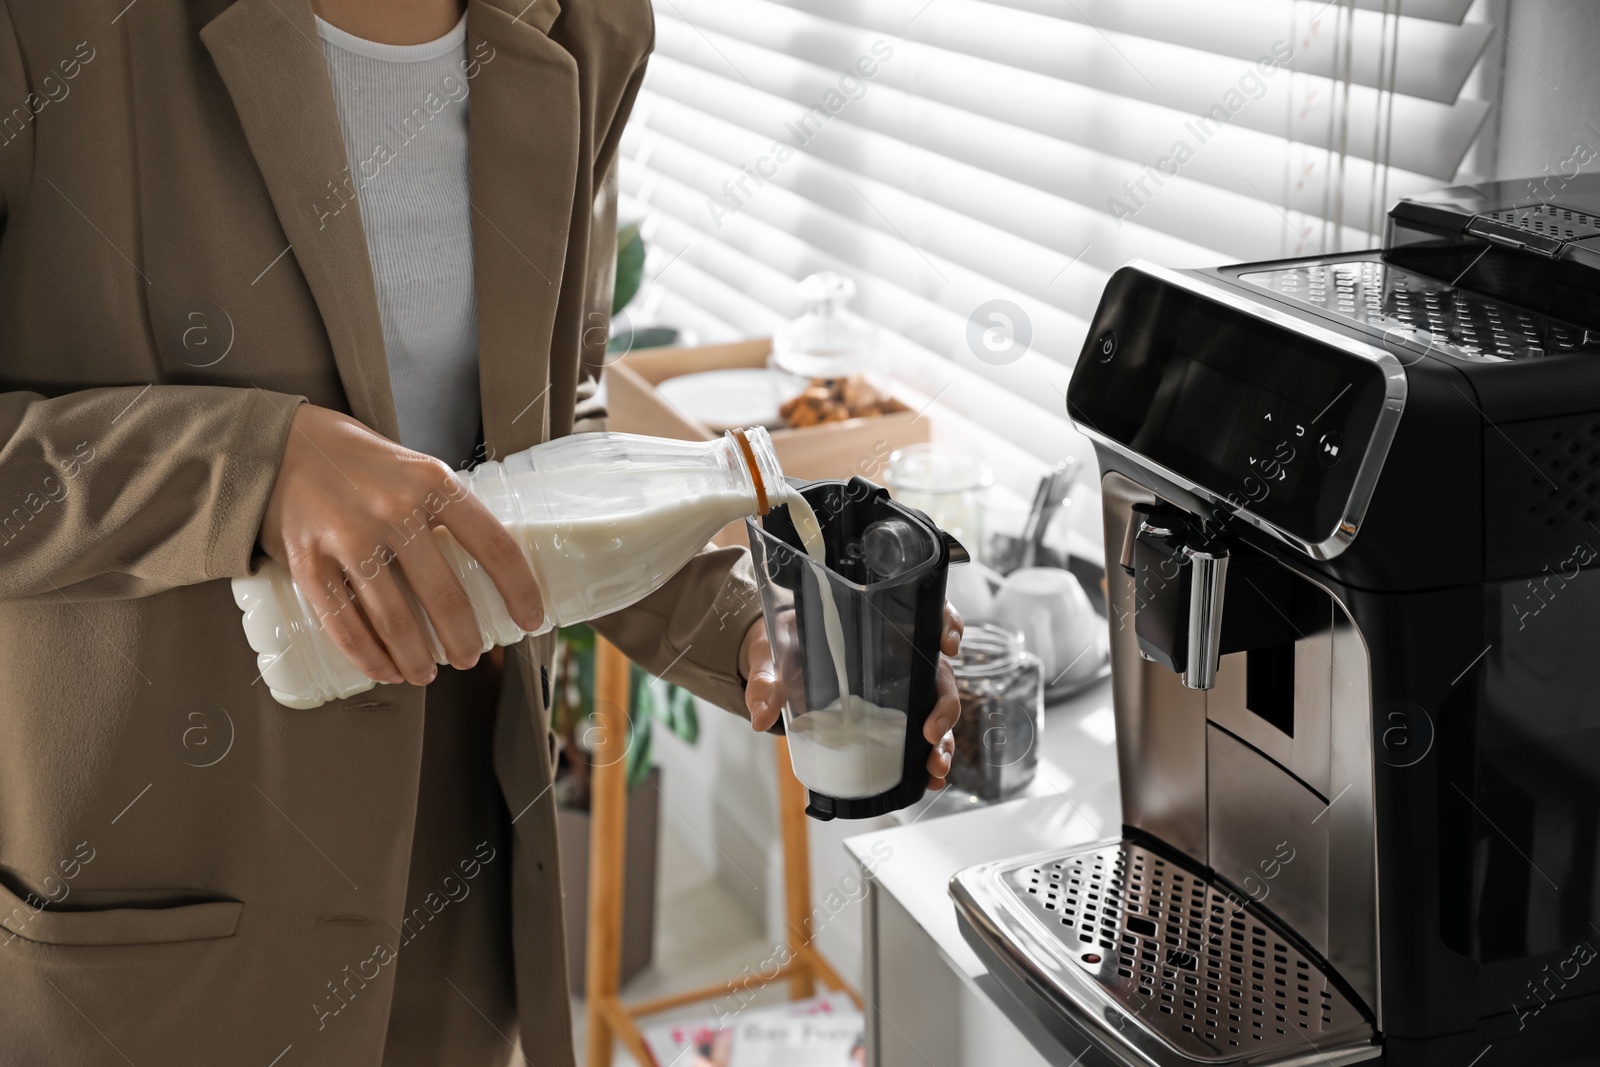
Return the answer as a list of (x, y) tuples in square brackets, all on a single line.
[(262, 284)]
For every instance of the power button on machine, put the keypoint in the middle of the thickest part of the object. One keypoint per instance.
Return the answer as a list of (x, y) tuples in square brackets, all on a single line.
[(1106, 346)]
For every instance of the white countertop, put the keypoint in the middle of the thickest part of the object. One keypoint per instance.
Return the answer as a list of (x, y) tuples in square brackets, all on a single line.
[(1073, 799)]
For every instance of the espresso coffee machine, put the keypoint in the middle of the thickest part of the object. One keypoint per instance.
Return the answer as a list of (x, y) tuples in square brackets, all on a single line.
[(1352, 525)]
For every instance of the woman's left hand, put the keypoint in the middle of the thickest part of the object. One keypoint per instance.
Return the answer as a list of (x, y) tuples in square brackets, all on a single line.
[(762, 699)]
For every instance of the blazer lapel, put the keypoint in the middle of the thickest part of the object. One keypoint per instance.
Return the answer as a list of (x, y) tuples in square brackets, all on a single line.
[(271, 60), (525, 144)]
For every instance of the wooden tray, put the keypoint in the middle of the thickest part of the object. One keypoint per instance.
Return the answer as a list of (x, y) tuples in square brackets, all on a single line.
[(832, 450)]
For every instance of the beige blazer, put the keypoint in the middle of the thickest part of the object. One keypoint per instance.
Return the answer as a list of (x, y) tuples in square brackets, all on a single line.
[(190, 873)]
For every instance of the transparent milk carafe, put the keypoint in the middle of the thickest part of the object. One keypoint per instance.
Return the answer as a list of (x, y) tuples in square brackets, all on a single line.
[(604, 519), (852, 586)]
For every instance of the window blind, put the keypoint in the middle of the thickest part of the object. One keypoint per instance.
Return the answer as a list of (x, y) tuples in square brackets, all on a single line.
[(980, 168)]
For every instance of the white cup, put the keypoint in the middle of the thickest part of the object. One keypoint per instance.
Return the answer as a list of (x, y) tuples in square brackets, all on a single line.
[(1048, 606), (970, 589)]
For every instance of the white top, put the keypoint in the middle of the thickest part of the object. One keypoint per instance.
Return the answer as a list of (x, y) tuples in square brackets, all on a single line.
[(403, 111)]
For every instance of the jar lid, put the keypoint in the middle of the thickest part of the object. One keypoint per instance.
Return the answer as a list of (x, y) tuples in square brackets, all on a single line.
[(937, 468), (988, 649), (827, 340)]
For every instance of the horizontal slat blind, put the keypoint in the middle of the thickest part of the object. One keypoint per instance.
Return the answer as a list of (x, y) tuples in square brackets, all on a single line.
[(1438, 57), (1432, 134), (1437, 10), (947, 154)]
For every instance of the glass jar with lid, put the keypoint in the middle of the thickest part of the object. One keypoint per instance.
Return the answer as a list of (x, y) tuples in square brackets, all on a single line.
[(949, 484), (828, 342), (1001, 686)]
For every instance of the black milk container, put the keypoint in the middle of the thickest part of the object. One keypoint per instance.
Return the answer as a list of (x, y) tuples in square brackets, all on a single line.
[(862, 752)]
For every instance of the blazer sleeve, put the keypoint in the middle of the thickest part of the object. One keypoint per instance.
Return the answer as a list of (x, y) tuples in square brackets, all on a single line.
[(128, 491), (689, 630), (125, 491)]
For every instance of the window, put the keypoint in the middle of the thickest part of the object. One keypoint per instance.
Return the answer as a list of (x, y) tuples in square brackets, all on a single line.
[(980, 168)]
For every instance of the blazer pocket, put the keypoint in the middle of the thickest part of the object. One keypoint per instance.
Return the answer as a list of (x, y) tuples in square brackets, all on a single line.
[(119, 917)]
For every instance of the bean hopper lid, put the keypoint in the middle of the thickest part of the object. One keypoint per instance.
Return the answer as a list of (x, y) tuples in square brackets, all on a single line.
[(1531, 246), (1553, 217)]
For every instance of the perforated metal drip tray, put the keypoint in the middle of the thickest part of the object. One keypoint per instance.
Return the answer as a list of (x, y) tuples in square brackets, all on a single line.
[(1424, 313), (1155, 963)]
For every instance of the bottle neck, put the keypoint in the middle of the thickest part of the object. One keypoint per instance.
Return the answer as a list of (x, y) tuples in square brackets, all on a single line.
[(754, 456)]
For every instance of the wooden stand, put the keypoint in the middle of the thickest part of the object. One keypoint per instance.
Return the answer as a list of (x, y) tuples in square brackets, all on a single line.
[(609, 1019)]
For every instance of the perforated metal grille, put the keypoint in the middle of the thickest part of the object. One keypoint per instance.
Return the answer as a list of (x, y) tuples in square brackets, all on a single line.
[(1559, 222), (1459, 322), (1216, 982)]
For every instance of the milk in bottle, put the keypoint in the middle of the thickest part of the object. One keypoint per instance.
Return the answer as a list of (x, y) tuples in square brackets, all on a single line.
[(603, 519)]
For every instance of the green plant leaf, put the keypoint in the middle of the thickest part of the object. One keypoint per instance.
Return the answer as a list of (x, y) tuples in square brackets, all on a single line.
[(682, 715), (579, 637), (641, 697), (630, 266), (639, 752), (632, 338), (584, 662)]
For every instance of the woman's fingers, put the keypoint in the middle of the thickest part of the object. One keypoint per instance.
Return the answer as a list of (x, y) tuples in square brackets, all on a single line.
[(946, 709), (939, 761), (315, 523), (954, 627), (439, 592), (477, 530), (396, 624), (941, 720), (761, 679), (329, 592), (761, 697), (349, 541)]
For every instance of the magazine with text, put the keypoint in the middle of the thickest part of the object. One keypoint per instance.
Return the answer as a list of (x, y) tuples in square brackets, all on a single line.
[(824, 1031)]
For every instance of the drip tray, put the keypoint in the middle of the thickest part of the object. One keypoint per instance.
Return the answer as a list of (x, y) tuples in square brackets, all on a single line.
[(1154, 962)]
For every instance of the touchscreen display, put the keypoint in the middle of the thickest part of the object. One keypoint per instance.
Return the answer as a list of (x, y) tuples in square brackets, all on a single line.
[(1268, 434), (1260, 415)]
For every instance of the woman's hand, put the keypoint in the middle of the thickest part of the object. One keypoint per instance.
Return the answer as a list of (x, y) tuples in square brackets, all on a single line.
[(347, 505), (761, 695)]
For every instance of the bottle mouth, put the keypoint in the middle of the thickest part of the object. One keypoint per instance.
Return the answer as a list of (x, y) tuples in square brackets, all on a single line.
[(760, 463)]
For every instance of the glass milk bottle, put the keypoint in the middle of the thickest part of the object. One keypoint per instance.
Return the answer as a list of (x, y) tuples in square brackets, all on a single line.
[(604, 519)]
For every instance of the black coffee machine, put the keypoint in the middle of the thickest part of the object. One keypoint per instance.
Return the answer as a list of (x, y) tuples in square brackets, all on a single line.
[(1352, 520)]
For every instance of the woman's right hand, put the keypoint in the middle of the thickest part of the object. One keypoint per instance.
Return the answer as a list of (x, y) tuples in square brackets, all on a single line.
[(347, 506)]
